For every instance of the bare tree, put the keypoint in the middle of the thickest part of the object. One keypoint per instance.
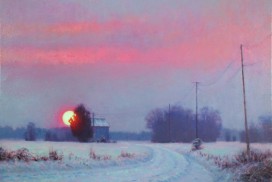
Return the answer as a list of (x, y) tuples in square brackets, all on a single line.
[(266, 125), (177, 124), (157, 123), (30, 134), (210, 124), (261, 131)]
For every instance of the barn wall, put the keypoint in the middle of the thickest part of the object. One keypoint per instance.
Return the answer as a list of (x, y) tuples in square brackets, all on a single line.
[(100, 132)]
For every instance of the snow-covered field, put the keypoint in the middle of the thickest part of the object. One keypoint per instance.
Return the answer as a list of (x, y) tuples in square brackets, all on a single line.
[(149, 162)]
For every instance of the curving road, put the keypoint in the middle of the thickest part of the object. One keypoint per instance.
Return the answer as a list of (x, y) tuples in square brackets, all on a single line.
[(162, 165)]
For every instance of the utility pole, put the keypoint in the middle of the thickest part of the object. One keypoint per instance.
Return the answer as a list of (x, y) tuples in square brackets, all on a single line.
[(93, 118), (244, 94), (196, 117), (169, 128)]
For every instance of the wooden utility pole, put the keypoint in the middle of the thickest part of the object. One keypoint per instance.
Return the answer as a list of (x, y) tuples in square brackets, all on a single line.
[(169, 128), (244, 94), (196, 116), (93, 119)]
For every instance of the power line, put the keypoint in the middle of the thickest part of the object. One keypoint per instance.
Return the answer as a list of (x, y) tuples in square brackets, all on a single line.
[(254, 63), (248, 46), (235, 73), (207, 90), (187, 93), (220, 77)]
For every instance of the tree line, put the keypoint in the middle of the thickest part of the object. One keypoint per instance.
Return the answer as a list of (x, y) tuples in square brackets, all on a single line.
[(261, 131), (174, 124), (178, 124), (62, 134)]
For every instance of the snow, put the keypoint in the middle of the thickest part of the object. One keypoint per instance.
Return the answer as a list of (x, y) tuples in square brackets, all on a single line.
[(150, 162), (221, 148), (232, 148), (101, 122)]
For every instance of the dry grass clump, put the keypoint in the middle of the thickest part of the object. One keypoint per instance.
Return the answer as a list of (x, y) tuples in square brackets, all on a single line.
[(254, 156), (23, 154), (253, 168), (261, 171), (95, 156), (54, 156)]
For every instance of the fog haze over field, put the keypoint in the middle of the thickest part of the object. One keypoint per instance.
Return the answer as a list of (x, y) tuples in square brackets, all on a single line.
[(122, 59)]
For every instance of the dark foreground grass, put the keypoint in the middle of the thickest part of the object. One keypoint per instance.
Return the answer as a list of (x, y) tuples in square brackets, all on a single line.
[(23, 154), (257, 167)]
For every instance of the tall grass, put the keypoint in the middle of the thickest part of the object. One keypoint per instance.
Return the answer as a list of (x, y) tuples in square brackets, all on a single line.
[(23, 154), (95, 156), (249, 168)]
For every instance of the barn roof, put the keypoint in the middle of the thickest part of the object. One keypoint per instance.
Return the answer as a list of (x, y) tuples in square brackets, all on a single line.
[(101, 122)]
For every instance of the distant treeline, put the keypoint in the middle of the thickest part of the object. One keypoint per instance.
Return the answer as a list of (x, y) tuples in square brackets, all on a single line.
[(230, 135), (64, 134), (178, 124), (181, 129), (7, 132), (261, 131)]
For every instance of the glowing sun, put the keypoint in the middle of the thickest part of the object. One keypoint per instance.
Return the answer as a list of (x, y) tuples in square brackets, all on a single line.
[(67, 116)]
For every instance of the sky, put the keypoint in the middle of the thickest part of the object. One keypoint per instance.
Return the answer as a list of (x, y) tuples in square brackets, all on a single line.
[(123, 58)]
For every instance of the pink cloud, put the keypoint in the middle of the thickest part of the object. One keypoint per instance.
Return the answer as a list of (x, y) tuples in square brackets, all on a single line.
[(185, 39), (84, 27), (69, 56)]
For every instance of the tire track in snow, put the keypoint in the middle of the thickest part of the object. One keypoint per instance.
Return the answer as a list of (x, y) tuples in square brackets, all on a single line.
[(164, 165)]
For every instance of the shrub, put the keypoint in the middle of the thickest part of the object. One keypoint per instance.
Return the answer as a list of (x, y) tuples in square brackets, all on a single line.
[(54, 156), (3, 154), (197, 144), (20, 154), (40, 158), (255, 167), (243, 158), (259, 172), (23, 154)]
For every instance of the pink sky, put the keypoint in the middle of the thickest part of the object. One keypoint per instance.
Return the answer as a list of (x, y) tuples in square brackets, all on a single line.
[(127, 47)]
